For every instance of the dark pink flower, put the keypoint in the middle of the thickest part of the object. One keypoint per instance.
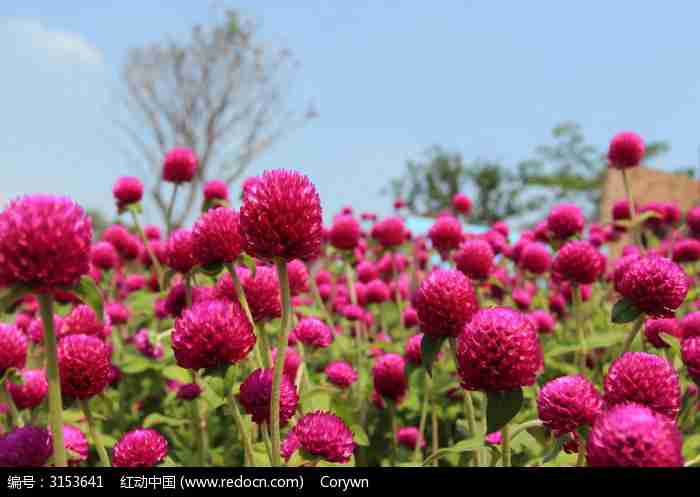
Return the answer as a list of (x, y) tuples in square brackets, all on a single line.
[(535, 258), (626, 150), (565, 220), (445, 234), (567, 403), (84, 366), (344, 233), (82, 320), (216, 237), (445, 301), (75, 441), (13, 348), (179, 165), (390, 232), (341, 374), (578, 262), (262, 292), (690, 352), (313, 332), (27, 447), (389, 373), (409, 436), (298, 277), (142, 448), (188, 391), (104, 256), (256, 394), (292, 361), (215, 190), (687, 250), (44, 242), (322, 435), (32, 391), (180, 254), (654, 328), (461, 203), (475, 259), (127, 190)]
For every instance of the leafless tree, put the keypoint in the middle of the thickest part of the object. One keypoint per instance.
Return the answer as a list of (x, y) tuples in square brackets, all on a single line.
[(222, 93)]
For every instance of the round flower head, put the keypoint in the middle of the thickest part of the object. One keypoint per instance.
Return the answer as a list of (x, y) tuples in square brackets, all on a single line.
[(621, 210), (292, 361), (281, 217), (44, 242), (626, 150), (445, 301), (262, 292), (646, 379), (654, 284), (179, 251), (152, 232), (179, 166), (215, 190), (461, 203), (445, 234), (104, 256), (345, 232), (475, 259), (13, 348), (210, 334), (690, 352), (408, 436), (83, 321), (535, 258), (410, 317), (127, 190), (377, 292), (216, 237), (565, 220), (543, 321), (321, 435), (654, 328), (567, 403), (692, 219), (27, 447), (189, 391), (143, 448), (76, 445), (32, 391), (687, 250), (83, 365), (499, 349), (118, 313), (389, 373), (632, 435), (256, 394), (341, 374), (390, 232), (578, 262), (366, 272), (413, 352), (690, 324), (298, 277), (313, 332), (126, 244)]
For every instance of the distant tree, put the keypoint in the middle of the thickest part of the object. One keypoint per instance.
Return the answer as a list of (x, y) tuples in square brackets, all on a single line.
[(222, 93), (570, 169)]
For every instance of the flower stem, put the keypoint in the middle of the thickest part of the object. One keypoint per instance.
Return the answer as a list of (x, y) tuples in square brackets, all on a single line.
[(245, 439), (423, 416), (265, 429), (581, 458), (154, 259), (635, 330), (282, 343), (169, 213), (580, 332), (524, 426), (468, 402), (55, 401), (199, 426), (636, 234), (505, 442), (394, 430), (435, 432), (101, 451), (15, 417)]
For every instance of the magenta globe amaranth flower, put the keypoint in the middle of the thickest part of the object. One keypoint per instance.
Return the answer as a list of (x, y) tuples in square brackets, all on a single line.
[(44, 242), (389, 373), (544, 322), (215, 190), (26, 447), (690, 353), (83, 320), (632, 435), (646, 379), (298, 277), (626, 150), (320, 435), (179, 251), (655, 285), (445, 234), (281, 217), (142, 448), (578, 262), (83, 365), (313, 332), (127, 190), (344, 233), (410, 437), (445, 301), (390, 232), (687, 250), (499, 349), (535, 258), (341, 374), (188, 391), (292, 361), (104, 256), (76, 445), (179, 165), (654, 329), (567, 403), (256, 393), (565, 220), (216, 237), (212, 333), (32, 391), (13, 348), (461, 203), (262, 292), (475, 259)]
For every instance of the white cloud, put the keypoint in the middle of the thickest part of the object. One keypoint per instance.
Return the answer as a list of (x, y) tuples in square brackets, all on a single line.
[(55, 44)]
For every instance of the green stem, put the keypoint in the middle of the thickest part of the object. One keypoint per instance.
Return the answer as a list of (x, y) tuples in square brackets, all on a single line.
[(580, 332), (200, 427), (524, 426), (149, 249), (15, 417), (423, 417), (468, 402), (394, 430), (505, 442), (171, 204), (636, 234), (266, 439), (240, 426), (435, 432), (581, 458), (635, 330), (693, 461), (55, 401), (282, 343), (101, 451)]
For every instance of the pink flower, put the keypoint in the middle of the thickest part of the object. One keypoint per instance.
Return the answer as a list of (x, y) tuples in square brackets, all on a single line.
[(179, 166), (298, 277), (578, 262), (341, 374), (44, 242), (256, 394), (142, 448), (13, 348), (345, 232), (445, 301), (409, 436), (565, 220), (567, 403), (82, 320), (281, 217), (32, 391), (127, 190), (445, 234), (461, 203), (389, 373), (25, 447), (216, 237), (653, 328), (215, 190), (390, 232), (313, 332), (262, 292), (104, 256), (322, 435), (84, 366), (75, 441), (626, 150), (690, 352), (180, 254), (292, 361), (535, 258), (475, 259)]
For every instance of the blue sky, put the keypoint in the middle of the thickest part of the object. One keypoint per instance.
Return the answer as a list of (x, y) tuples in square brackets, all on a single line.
[(389, 79)]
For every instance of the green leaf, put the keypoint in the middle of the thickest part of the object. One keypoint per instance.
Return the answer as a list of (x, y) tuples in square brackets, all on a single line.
[(469, 445), (136, 364), (249, 262), (430, 348), (230, 379), (556, 449), (359, 436), (87, 291), (158, 419), (624, 311), (177, 373), (502, 407), (12, 296), (213, 269)]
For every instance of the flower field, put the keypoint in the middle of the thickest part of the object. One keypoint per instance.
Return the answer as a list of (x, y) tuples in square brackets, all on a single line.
[(261, 336)]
